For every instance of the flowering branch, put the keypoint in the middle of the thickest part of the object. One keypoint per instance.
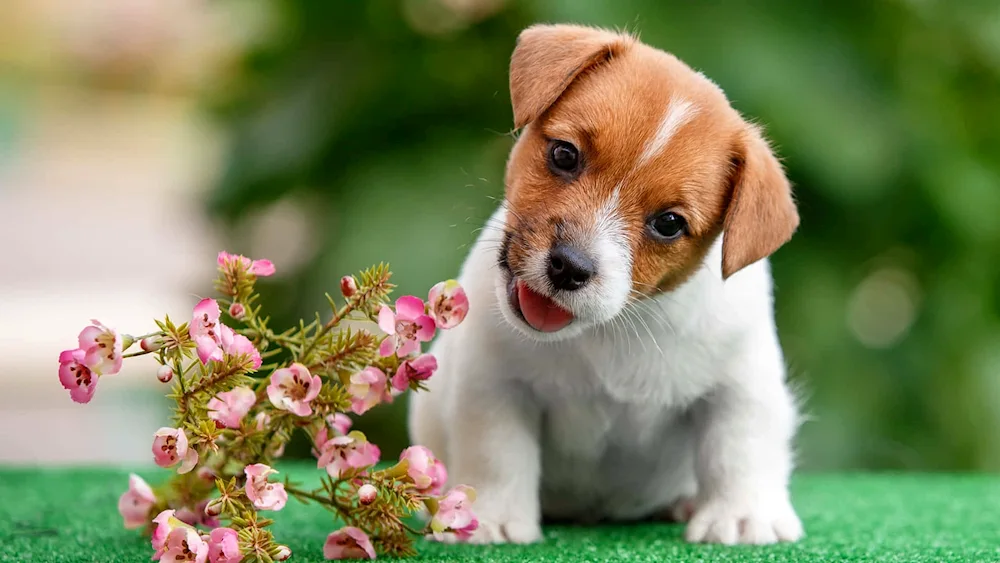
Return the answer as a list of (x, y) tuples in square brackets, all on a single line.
[(234, 415)]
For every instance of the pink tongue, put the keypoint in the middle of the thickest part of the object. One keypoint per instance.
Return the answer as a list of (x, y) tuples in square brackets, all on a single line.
[(541, 312)]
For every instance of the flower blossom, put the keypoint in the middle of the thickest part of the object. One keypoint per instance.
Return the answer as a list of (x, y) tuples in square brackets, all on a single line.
[(264, 495), (427, 472), (185, 544), (448, 304), (235, 344), (345, 453), (134, 504), (229, 407), (224, 546), (293, 388), (103, 348), (260, 268), (164, 523), (76, 377), (214, 339), (367, 389), (420, 368), (338, 422), (454, 514), (205, 330), (170, 445), (348, 543), (407, 327)]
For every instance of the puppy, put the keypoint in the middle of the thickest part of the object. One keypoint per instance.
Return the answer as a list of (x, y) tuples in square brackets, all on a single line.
[(620, 359)]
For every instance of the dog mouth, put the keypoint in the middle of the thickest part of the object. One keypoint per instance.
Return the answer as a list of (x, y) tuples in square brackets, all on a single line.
[(536, 310)]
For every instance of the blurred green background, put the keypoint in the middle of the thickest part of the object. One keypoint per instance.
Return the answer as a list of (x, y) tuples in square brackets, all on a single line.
[(381, 127)]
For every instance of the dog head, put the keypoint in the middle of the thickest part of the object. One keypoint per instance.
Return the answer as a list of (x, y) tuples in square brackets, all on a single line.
[(628, 167)]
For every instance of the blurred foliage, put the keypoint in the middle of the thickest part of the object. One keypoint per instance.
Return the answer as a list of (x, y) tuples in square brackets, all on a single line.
[(387, 123)]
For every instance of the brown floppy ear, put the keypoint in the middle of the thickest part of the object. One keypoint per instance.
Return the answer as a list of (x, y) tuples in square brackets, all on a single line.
[(762, 215), (548, 58)]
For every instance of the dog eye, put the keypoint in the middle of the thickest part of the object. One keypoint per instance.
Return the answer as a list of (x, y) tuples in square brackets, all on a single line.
[(668, 225), (563, 156)]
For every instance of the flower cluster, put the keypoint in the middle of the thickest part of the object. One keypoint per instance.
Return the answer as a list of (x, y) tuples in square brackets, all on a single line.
[(241, 391)]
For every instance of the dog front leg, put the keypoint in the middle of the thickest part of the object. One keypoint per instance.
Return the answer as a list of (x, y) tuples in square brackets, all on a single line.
[(743, 466), (494, 447)]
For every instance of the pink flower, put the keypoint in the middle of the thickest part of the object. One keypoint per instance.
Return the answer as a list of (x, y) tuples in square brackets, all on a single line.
[(367, 494), (134, 504), (407, 327), (348, 543), (234, 344), (165, 522), (261, 268), (344, 453), (367, 389), (264, 495), (170, 445), (261, 421), (103, 347), (427, 472), (454, 514), (76, 377), (341, 423), (292, 389), (338, 422), (205, 330), (224, 546), (184, 544), (213, 339), (283, 553), (448, 304), (420, 368), (229, 407)]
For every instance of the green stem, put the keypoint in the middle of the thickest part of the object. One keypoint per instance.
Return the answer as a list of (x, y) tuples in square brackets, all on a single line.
[(140, 353), (339, 316)]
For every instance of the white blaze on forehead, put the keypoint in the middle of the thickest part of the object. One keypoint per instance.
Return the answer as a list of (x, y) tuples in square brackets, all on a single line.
[(678, 113)]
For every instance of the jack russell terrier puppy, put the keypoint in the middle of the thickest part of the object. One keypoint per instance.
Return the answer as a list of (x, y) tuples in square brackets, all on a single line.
[(620, 359)]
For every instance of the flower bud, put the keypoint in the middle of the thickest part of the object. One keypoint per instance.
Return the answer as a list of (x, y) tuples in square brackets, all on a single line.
[(151, 343), (214, 507), (348, 287), (165, 374), (367, 494), (237, 311), (283, 553)]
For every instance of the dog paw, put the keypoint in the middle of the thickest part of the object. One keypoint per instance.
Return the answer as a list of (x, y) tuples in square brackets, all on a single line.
[(513, 531), (732, 523), (682, 509), (488, 532)]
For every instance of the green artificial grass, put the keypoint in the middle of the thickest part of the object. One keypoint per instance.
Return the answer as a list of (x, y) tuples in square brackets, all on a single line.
[(64, 515)]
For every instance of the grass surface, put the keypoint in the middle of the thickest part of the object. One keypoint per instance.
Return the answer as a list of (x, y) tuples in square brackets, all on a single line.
[(71, 515)]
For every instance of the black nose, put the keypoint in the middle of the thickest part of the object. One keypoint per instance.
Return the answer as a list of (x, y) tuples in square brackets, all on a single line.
[(569, 269)]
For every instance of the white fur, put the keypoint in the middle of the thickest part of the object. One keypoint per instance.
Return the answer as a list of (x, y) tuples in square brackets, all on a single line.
[(604, 240), (676, 398), (678, 113)]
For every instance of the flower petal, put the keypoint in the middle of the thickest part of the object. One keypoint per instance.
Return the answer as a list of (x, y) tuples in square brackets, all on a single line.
[(387, 320), (425, 328), (409, 307)]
